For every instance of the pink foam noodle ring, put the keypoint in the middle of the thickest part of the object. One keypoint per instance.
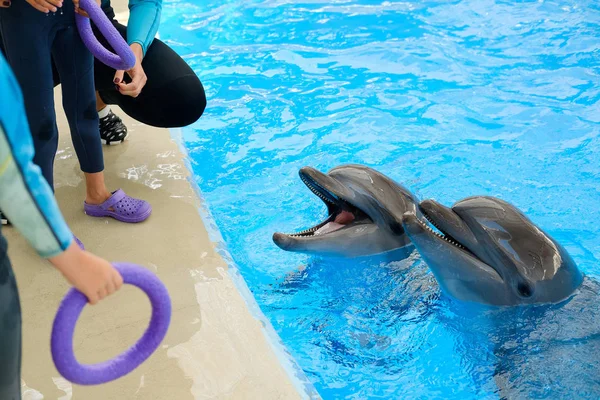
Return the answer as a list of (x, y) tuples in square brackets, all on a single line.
[(124, 59), (61, 342)]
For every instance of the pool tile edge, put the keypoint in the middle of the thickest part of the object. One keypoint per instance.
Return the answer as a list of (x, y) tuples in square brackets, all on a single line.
[(293, 370)]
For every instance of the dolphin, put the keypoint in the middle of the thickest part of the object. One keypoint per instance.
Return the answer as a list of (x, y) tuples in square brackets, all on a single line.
[(489, 252), (365, 210)]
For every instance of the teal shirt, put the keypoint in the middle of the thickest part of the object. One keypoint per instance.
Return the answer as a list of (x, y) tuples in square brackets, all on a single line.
[(25, 196), (144, 19)]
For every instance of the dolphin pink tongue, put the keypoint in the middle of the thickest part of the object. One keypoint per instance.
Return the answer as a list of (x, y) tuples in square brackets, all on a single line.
[(341, 219), (345, 217)]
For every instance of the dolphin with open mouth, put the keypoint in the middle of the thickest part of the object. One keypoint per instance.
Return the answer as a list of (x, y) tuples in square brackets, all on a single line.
[(489, 252), (365, 210)]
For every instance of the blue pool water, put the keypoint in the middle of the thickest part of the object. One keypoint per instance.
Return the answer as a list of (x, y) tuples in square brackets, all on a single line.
[(451, 99)]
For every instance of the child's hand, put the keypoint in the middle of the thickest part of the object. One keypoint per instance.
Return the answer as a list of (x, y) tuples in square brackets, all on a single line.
[(95, 277), (45, 6), (80, 10)]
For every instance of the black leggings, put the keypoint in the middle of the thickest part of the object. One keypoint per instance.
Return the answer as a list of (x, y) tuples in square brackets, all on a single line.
[(32, 42), (10, 329), (173, 96)]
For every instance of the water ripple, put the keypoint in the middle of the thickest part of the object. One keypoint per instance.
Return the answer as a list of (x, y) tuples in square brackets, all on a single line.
[(450, 97)]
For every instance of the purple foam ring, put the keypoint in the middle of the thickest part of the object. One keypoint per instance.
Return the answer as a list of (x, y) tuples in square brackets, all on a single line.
[(68, 314), (124, 59)]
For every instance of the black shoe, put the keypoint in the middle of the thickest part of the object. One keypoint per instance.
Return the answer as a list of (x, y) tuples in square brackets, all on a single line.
[(3, 219), (112, 129)]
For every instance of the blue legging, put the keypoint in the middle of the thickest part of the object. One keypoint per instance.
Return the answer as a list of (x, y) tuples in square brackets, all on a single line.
[(32, 41), (10, 330)]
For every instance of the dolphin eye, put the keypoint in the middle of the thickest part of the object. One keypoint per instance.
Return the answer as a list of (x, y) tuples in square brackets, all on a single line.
[(524, 289)]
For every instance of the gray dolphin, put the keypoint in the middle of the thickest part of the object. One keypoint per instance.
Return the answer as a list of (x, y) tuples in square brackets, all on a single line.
[(491, 253), (365, 210)]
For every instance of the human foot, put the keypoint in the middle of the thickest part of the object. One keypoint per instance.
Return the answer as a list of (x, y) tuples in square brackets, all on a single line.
[(112, 129), (120, 207)]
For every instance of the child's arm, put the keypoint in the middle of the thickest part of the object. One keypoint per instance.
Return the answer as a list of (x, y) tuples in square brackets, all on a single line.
[(25, 196), (143, 22), (144, 18), (27, 200)]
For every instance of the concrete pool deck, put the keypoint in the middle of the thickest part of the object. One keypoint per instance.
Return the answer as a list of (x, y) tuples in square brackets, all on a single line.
[(215, 348)]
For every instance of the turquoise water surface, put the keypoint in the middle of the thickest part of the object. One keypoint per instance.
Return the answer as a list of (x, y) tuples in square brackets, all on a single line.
[(449, 98)]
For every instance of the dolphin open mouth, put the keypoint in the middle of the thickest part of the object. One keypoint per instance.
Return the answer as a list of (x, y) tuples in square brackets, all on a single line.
[(442, 247), (440, 216), (488, 251), (442, 234), (341, 213)]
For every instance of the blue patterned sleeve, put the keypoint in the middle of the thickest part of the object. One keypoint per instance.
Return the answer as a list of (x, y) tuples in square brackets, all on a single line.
[(25, 197)]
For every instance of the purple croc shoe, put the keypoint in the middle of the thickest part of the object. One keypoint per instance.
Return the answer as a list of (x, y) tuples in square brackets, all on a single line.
[(120, 207)]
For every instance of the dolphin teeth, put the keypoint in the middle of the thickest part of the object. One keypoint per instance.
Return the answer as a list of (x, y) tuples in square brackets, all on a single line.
[(444, 237), (304, 232), (313, 189), (311, 230)]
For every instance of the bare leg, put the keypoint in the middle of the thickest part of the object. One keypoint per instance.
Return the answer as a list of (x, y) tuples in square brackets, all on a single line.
[(96, 191), (99, 103)]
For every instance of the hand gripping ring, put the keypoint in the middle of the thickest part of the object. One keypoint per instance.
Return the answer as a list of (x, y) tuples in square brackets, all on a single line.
[(124, 59), (68, 314)]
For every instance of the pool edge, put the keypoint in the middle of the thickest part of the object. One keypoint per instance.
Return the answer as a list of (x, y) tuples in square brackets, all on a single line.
[(291, 367)]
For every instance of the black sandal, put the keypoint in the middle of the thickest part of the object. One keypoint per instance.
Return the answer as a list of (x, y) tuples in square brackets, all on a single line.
[(112, 129)]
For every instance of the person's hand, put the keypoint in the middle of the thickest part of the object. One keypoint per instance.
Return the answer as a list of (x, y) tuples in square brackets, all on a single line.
[(80, 10), (4, 3), (137, 74), (45, 6), (93, 276)]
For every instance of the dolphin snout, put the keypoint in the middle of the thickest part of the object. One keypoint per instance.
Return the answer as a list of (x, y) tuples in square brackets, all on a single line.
[(307, 170), (430, 206), (480, 207), (283, 241), (411, 223)]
